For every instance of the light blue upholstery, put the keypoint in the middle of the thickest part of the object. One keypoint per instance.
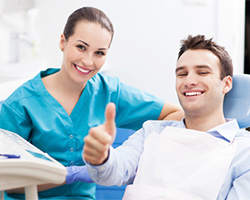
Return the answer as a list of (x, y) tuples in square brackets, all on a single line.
[(237, 101)]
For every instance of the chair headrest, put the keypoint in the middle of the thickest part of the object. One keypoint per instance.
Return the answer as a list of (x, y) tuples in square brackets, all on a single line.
[(237, 100)]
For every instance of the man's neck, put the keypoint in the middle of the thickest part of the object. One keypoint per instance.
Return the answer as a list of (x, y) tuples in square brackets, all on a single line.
[(204, 123)]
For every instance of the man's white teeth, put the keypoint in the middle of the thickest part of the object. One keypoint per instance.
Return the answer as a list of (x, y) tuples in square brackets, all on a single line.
[(192, 93), (82, 70)]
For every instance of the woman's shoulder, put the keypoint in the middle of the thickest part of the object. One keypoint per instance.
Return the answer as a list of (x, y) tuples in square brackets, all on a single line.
[(27, 89), (32, 85)]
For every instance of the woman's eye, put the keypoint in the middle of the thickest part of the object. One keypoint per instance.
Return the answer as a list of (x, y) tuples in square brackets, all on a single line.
[(100, 53), (81, 47)]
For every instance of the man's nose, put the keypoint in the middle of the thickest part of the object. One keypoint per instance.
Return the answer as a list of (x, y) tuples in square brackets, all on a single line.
[(191, 79)]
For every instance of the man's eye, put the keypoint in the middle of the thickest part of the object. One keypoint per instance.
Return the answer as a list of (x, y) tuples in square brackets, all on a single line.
[(203, 73), (181, 74), (81, 47)]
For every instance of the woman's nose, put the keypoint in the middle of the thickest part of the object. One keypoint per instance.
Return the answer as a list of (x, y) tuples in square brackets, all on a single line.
[(87, 59)]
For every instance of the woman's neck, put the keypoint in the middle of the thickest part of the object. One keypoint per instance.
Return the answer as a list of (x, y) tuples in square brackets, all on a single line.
[(66, 84)]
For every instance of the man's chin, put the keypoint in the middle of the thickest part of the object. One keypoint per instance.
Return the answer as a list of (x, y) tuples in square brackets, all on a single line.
[(192, 111)]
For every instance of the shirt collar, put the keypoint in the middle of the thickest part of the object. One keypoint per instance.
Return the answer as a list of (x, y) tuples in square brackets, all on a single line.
[(227, 130), (182, 124)]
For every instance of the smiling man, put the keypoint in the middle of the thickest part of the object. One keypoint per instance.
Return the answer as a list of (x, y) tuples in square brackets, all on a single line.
[(202, 82), (204, 156)]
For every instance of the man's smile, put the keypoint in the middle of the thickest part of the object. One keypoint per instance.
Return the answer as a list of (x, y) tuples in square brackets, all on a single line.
[(193, 93)]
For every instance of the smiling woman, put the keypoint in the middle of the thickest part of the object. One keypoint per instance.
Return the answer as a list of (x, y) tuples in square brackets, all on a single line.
[(56, 109), (84, 55)]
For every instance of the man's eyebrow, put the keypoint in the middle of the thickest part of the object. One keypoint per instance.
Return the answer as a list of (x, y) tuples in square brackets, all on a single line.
[(88, 45), (198, 67), (204, 67), (179, 68)]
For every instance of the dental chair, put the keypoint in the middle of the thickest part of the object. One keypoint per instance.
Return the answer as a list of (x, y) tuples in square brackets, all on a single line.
[(237, 101)]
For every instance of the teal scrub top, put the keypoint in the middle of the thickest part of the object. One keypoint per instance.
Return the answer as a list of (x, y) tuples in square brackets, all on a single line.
[(39, 118)]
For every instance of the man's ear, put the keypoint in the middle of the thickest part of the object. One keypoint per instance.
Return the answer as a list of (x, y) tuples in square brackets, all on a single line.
[(62, 42), (228, 83)]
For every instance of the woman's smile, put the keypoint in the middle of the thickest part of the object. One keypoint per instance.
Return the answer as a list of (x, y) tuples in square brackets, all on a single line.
[(82, 70)]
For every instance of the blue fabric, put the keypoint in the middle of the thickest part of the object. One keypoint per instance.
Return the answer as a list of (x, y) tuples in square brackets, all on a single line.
[(35, 115), (122, 163)]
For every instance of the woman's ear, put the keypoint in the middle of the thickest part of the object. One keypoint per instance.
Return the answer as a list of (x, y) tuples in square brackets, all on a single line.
[(228, 83), (62, 42)]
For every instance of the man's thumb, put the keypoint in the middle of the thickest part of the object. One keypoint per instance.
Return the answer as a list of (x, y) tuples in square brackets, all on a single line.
[(110, 119)]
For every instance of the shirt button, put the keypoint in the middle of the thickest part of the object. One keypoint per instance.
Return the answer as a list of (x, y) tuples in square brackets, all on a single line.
[(71, 149), (71, 136)]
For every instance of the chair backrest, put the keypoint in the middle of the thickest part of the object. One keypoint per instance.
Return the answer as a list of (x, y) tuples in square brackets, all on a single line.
[(237, 101)]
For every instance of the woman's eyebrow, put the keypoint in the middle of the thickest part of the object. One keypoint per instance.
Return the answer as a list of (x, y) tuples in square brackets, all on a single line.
[(83, 42), (88, 45)]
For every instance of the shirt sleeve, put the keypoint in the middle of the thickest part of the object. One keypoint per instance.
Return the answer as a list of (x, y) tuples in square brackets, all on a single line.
[(120, 168), (240, 188), (136, 106)]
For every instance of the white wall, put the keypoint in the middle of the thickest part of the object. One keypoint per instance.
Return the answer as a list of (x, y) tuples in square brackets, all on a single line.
[(147, 35)]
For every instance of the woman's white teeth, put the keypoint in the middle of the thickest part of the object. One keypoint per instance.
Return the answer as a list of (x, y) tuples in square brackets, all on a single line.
[(192, 93), (82, 70)]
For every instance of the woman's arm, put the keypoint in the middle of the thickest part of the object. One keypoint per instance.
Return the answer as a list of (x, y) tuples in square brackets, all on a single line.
[(171, 111)]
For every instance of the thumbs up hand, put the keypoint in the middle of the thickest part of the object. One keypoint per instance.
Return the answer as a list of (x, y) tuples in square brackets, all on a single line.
[(100, 138)]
